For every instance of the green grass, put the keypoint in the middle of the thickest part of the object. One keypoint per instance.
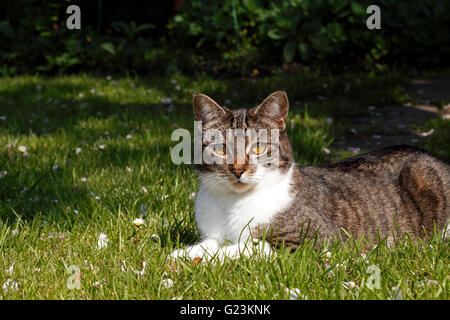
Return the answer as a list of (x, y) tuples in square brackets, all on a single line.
[(51, 217)]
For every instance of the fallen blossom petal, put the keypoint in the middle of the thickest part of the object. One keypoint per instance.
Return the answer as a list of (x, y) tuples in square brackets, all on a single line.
[(22, 149), (154, 237), (102, 241), (349, 285), (168, 283), (426, 133)]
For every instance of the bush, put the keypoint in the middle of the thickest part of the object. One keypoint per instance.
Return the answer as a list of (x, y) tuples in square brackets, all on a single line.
[(321, 31), (243, 37)]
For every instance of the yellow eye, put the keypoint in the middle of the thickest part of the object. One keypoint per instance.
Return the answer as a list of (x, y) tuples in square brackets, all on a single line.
[(258, 148), (220, 149)]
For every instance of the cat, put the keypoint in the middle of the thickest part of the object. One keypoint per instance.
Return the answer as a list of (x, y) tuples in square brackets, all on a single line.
[(244, 207)]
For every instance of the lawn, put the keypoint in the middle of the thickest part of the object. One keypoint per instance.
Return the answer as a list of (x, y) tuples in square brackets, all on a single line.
[(82, 157)]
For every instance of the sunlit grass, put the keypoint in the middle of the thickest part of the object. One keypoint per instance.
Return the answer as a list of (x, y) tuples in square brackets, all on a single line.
[(98, 157)]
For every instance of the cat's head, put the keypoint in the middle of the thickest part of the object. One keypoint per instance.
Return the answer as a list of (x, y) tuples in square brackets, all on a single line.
[(254, 148)]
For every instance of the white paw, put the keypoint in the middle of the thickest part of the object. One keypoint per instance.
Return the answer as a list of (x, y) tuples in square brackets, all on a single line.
[(199, 251)]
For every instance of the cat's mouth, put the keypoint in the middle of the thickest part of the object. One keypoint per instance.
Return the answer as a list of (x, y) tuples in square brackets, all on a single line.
[(239, 185)]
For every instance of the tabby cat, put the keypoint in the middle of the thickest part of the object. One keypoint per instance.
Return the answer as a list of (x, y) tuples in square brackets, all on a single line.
[(381, 194)]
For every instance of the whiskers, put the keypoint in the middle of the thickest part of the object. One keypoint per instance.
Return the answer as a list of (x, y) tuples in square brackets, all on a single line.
[(208, 184)]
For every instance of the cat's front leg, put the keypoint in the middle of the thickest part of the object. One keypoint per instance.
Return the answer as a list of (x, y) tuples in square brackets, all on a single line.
[(207, 247)]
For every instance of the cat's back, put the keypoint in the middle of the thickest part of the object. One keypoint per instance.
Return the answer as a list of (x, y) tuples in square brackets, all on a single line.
[(382, 166), (371, 193)]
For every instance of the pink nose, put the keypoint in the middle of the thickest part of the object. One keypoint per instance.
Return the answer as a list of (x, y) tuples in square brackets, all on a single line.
[(238, 172)]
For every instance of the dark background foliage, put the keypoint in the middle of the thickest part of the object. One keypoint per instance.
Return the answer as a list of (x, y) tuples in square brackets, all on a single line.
[(230, 37)]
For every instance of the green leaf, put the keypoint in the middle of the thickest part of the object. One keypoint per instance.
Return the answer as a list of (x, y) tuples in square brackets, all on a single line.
[(358, 9), (274, 35), (304, 51), (6, 29), (145, 26), (109, 47), (289, 50)]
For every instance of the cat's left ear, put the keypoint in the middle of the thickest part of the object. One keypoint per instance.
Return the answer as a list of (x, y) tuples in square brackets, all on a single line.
[(274, 108)]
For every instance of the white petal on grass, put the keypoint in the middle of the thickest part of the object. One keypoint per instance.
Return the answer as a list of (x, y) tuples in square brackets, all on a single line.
[(294, 294), (154, 237), (102, 241), (77, 150), (128, 136), (55, 167), (426, 133), (349, 285), (326, 151), (83, 179), (167, 283), (10, 270), (363, 255), (141, 273), (144, 189), (10, 285), (15, 232), (102, 147), (22, 149)]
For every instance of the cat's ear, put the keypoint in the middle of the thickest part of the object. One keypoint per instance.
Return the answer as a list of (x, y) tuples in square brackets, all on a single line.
[(274, 108), (206, 109)]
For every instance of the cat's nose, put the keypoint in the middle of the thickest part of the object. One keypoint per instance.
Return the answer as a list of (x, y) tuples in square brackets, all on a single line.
[(238, 172)]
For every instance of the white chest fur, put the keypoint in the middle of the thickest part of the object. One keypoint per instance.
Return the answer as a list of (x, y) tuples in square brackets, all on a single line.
[(229, 216)]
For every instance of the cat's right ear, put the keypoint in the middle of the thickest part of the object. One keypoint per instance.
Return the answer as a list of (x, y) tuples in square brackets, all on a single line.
[(274, 109), (206, 109)]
